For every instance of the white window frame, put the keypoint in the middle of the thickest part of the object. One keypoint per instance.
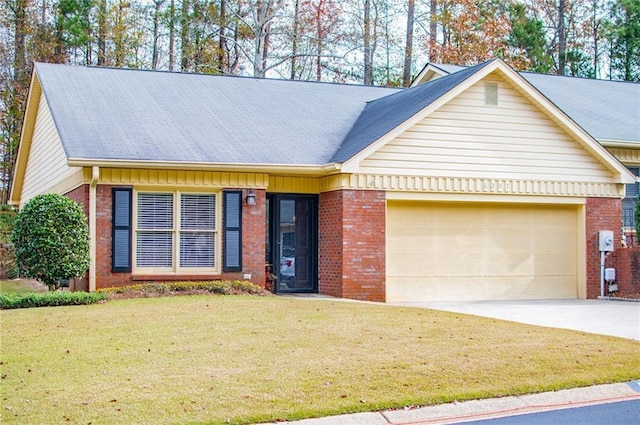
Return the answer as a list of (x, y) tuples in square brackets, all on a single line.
[(176, 231)]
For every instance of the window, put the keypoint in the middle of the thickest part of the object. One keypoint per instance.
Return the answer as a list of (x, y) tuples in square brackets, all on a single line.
[(176, 231), (629, 202)]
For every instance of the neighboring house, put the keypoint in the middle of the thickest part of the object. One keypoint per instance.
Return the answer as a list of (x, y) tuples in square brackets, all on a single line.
[(608, 110), (471, 186)]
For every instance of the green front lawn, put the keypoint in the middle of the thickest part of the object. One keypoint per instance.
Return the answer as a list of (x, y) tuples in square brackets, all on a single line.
[(19, 286), (220, 359)]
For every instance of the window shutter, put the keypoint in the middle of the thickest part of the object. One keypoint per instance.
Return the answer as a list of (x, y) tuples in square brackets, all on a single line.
[(232, 238), (121, 230)]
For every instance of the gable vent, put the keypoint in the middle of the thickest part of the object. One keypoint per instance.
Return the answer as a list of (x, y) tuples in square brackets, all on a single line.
[(491, 94)]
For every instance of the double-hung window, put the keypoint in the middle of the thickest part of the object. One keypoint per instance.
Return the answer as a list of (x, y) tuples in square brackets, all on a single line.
[(176, 232)]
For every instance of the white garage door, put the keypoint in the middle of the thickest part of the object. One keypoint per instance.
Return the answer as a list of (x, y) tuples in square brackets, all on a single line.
[(453, 251)]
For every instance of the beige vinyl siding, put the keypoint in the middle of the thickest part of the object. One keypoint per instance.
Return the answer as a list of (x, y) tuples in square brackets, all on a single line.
[(466, 138), (475, 251), (47, 165)]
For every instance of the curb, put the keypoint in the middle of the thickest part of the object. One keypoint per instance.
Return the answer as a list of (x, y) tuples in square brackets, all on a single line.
[(455, 412)]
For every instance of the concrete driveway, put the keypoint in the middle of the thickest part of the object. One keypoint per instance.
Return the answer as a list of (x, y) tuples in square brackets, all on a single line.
[(605, 317)]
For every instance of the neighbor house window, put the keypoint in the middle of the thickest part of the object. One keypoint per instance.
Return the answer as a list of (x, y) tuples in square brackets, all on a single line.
[(629, 202), (176, 231)]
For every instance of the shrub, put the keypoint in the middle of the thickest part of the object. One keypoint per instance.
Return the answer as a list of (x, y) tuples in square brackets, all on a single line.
[(8, 265), (223, 287), (51, 239), (49, 299)]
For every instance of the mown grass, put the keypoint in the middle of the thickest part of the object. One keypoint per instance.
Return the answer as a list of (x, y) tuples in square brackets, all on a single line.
[(238, 359), (20, 287)]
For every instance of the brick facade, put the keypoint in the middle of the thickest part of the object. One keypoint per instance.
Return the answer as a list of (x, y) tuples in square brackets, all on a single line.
[(627, 264), (253, 242), (352, 244), (601, 214)]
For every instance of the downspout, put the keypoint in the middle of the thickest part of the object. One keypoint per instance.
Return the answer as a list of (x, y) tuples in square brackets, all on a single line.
[(95, 176)]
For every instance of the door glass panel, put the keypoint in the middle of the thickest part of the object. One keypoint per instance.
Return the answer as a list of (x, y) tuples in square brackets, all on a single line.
[(287, 245), (295, 244)]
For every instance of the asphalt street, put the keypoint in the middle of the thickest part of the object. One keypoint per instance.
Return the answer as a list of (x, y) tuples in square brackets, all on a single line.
[(621, 413)]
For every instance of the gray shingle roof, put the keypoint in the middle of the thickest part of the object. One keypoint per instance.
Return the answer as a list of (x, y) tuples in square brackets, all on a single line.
[(608, 110), (116, 114)]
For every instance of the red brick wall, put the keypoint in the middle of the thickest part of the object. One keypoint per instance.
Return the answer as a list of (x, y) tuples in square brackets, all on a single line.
[(627, 264), (253, 239), (253, 244), (601, 214), (330, 249), (352, 244), (81, 196)]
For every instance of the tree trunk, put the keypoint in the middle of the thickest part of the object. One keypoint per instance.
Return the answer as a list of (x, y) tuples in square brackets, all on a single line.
[(294, 38), (408, 45), (172, 36), (433, 28), (562, 40), (368, 66), (319, 41), (19, 42), (102, 33), (184, 37), (222, 42), (156, 24)]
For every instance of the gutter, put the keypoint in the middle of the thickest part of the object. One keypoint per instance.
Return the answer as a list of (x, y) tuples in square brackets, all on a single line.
[(300, 169)]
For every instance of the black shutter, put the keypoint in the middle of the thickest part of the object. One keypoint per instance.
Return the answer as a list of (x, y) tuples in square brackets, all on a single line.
[(232, 236), (121, 233)]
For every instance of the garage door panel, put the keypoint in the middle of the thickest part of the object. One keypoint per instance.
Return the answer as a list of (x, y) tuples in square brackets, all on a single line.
[(481, 251), (443, 288)]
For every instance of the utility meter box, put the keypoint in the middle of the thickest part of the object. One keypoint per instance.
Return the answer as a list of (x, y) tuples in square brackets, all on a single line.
[(606, 240), (610, 274)]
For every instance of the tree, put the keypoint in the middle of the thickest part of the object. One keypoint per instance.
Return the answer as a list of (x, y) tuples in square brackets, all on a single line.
[(624, 35), (51, 239), (472, 32), (527, 41), (408, 47)]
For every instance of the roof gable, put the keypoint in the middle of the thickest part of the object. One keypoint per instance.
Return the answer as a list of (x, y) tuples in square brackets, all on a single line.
[(466, 138), (382, 115), (608, 110), (466, 79)]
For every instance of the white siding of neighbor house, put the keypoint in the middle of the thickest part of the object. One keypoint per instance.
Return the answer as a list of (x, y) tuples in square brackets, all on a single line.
[(466, 138), (47, 165)]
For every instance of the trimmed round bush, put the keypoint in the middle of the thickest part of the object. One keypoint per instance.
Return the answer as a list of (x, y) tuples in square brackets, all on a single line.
[(51, 239)]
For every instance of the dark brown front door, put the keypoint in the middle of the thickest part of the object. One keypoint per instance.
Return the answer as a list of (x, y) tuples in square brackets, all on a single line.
[(293, 242)]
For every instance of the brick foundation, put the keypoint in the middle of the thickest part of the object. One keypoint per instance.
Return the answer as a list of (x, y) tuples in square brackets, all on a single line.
[(601, 214), (352, 244)]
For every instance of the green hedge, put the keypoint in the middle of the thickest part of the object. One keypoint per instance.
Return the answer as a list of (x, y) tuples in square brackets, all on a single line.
[(224, 287), (49, 299)]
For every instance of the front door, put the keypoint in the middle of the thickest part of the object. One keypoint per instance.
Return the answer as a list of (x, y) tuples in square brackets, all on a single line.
[(292, 248)]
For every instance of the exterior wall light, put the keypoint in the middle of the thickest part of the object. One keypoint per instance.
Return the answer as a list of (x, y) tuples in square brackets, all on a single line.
[(251, 197)]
